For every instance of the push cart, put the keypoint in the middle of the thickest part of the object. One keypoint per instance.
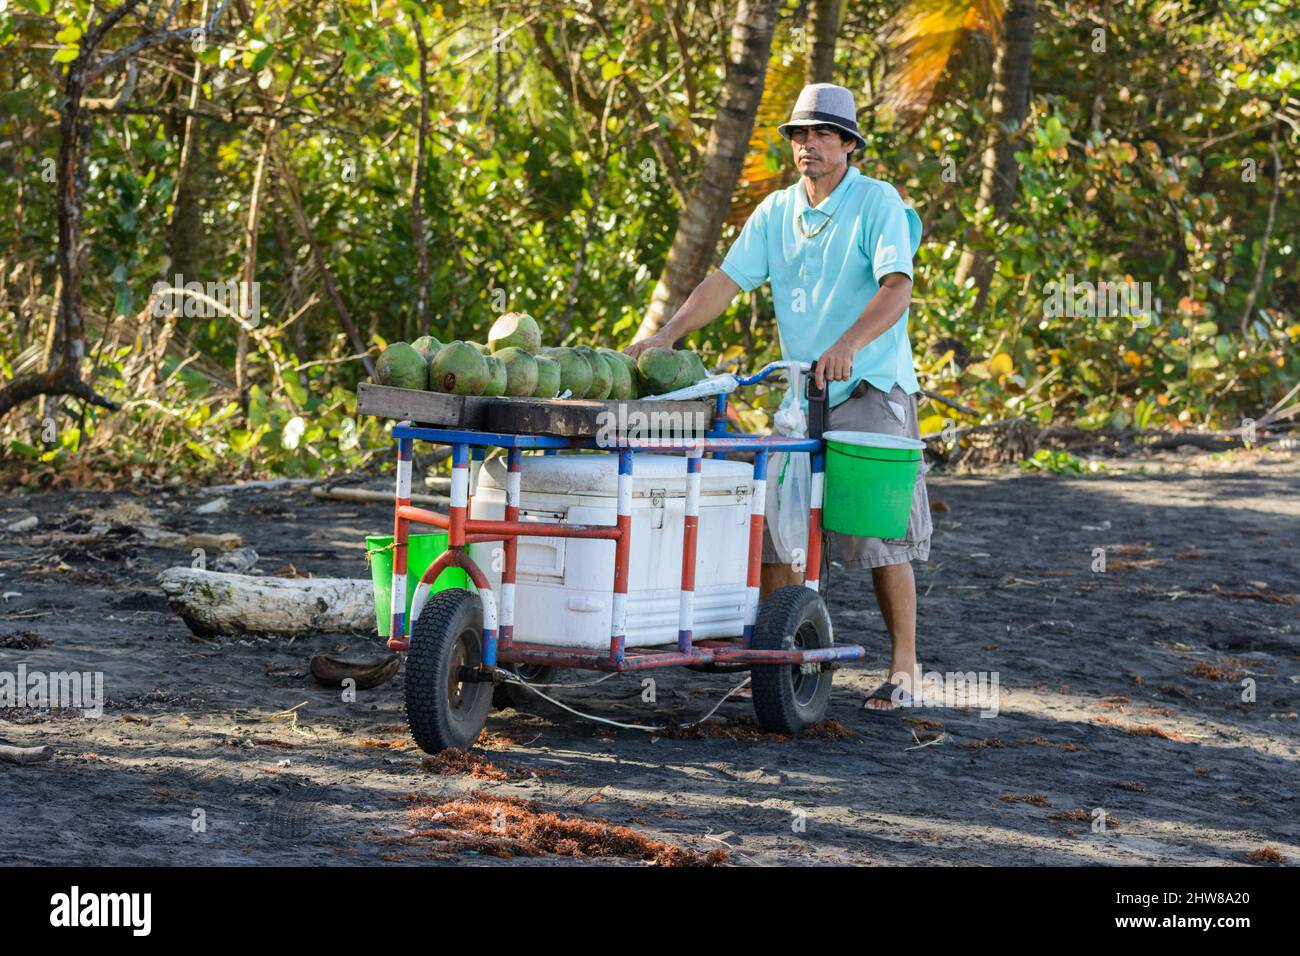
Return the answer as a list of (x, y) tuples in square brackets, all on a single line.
[(460, 643)]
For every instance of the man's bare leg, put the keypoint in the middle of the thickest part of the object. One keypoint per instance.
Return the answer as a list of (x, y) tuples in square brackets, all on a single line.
[(776, 576), (895, 588)]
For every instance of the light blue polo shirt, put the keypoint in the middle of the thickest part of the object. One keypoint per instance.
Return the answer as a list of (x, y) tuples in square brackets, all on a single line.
[(822, 282)]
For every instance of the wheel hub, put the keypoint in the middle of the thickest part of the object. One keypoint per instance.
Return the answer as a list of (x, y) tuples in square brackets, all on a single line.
[(804, 678), (464, 662)]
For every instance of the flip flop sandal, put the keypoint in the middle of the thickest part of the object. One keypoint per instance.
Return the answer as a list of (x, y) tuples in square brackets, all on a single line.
[(886, 692)]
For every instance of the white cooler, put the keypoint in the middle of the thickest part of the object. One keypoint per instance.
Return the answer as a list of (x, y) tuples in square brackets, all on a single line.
[(564, 586)]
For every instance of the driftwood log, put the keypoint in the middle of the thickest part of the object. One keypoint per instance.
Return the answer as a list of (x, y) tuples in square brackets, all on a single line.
[(25, 755), (379, 497), (213, 603)]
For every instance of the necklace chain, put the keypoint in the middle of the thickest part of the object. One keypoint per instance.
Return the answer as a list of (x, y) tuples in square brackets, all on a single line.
[(806, 233)]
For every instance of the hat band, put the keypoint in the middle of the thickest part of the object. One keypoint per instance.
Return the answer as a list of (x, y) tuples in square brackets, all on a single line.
[(824, 118)]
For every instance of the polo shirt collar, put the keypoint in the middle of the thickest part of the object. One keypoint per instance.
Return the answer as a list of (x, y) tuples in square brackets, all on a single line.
[(828, 205)]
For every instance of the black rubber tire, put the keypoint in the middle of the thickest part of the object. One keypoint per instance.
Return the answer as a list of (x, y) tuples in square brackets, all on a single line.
[(441, 711), (785, 699), (521, 698)]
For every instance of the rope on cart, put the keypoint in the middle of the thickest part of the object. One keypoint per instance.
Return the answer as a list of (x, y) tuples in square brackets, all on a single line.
[(582, 683), (515, 678), (371, 552), (718, 704)]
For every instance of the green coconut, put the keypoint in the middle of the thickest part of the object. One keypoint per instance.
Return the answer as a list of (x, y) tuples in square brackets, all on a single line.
[(696, 366), (575, 371), (402, 366), (620, 377), (661, 369), (515, 330), (427, 346), (602, 376), (496, 383), (458, 369), (521, 370), (634, 379), (548, 377)]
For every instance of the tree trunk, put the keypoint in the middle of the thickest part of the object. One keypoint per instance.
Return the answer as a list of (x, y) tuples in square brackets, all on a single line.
[(695, 243), (185, 231), (249, 272), (1009, 107), (822, 28), (74, 134), (73, 157)]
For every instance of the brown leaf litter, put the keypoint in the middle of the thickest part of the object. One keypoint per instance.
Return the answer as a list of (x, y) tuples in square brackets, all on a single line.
[(24, 640), (452, 761), (1266, 855), (1213, 672), (1272, 597), (1142, 730), (509, 826), (1035, 800), (1081, 815)]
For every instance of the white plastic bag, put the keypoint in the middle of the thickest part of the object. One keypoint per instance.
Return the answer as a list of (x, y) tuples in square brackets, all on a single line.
[(706, 387), (789, 478)]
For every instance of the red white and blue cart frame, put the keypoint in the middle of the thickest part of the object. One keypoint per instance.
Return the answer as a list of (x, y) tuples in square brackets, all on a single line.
[(804, 661)]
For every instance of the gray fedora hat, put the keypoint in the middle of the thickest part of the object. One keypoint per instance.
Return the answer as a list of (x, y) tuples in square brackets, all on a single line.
[(825, 103)]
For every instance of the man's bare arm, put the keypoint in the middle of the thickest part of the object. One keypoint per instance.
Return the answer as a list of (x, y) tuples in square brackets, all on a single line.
[(884, 309), (706, 302)]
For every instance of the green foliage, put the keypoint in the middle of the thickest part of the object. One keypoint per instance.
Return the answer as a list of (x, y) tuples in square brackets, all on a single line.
[(1060, 463), (1150, 161)]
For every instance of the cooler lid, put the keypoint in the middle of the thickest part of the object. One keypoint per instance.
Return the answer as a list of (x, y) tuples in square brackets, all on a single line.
[(597, 475)]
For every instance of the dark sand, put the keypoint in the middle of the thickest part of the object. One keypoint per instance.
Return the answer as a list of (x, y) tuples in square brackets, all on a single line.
[(1199, 595)]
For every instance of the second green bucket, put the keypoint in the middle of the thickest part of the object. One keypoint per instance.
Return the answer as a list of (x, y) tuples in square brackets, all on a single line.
[(421, 551), (870, 481)]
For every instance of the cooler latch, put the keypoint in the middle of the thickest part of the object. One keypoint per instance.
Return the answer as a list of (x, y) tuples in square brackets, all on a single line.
[(657, 496)]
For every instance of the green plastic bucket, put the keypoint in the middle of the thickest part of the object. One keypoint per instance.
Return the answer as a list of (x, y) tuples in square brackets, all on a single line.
[(421, 551), (870, 480)]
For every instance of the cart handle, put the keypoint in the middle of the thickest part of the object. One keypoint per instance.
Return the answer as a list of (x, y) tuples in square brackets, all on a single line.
[(773, 367)]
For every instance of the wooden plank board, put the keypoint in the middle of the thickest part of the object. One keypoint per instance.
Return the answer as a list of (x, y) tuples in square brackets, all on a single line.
[(423, 408), (569, 418), (585, 418)]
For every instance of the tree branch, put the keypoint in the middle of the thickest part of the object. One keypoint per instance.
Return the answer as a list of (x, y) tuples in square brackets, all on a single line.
[(1268, 233)]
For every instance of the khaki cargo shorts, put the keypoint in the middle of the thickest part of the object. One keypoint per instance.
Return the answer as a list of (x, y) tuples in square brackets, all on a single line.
[(869, 409)]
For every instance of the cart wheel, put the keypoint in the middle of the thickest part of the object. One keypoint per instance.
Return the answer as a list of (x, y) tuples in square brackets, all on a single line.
[(520, 698), (441, 711), (786, 700)]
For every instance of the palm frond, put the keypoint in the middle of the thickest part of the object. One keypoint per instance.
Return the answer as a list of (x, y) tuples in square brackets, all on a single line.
[(924, 42)]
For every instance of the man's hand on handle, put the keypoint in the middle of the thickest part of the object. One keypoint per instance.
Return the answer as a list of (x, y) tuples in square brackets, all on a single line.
[(835, 364)]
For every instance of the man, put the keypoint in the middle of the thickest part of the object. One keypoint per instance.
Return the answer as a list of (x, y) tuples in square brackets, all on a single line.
[(837, 247)]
